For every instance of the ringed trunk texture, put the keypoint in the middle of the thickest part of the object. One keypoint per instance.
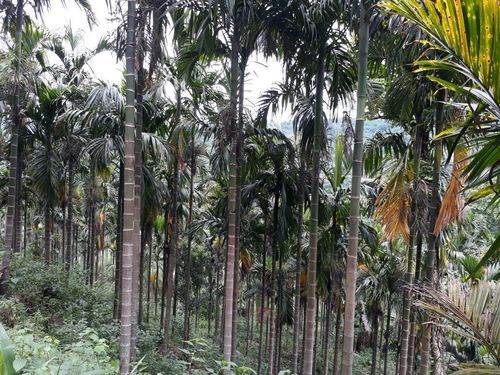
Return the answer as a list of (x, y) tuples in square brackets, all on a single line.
[(239, 162), (410, 262), (432, 239), (69, 221), (119, 246), (14, 144), (138, 248), (129, 191), (262, 297), (173, 236), (310, 319), (357, 172), (387, 332), (232, 214), (190, 240), (296, 319)]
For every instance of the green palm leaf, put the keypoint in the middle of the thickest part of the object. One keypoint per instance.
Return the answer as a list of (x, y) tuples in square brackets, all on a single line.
[(468, 33)]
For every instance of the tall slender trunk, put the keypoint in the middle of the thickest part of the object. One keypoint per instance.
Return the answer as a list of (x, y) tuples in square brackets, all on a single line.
[(49, 222), (92, 227), (262, 296), (279, 325), (173, 236), (326, 334), (374, 343), (69, 220), (338, 321), (296, 315), (139, 52), (217, 303), (14, 144), (176, 293), (248, 313), (232, 201), (149, 241), (187, 280), (274, 316), (25, 225), (167, 229), (432, 242), (19, 192), (144, 241), (210, 298), (157, 283), (129, 192), (239, 162), (413, 311), (47, 236), (357, 173), (119, 245), (387, 331), (410, 262), (310, 322)]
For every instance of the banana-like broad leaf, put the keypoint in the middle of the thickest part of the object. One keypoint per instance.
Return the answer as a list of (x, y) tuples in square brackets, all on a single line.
[(7, 356)]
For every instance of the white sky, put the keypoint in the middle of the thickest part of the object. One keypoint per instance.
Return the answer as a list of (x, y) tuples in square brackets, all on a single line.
[(261, 74)]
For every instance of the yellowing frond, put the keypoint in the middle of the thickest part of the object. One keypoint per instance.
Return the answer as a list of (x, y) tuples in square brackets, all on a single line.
[(453, 201), (392, 207), (467, 29)]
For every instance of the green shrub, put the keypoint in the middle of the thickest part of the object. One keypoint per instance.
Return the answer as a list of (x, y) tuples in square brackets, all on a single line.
[(47, 355), (61, 298)]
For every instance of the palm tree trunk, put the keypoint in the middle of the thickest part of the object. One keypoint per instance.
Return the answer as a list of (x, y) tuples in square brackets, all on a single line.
[(210, 298), (217, 302), (129, 192), (387, 331), (326, 335), (431, 238), (144, 240), (139, 52), (232, 202), (47, 237), (167, 230), (172, 243), (274, 255), (17, 212), (407, 295), (248, 313), (92, 227), (14, 144), (69, 221), (157, 283), (338, 321), (373, 370), (148, 276), (310, 318), (413, 312), (187, 280), (296, 319), (119, 245), (239, 162), (25, 212), (357, 172), (262, 297)]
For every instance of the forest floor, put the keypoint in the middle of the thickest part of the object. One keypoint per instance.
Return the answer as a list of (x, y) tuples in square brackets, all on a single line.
[(59, 325)]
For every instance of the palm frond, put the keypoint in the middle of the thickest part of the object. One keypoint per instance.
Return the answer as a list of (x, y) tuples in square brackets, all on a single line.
[(453, 201)]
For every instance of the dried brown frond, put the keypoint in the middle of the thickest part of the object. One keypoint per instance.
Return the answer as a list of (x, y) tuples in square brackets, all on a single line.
[(392, 207), (453, 202)]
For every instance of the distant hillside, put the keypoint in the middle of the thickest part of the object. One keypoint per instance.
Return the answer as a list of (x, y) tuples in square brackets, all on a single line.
[(371, 127)]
